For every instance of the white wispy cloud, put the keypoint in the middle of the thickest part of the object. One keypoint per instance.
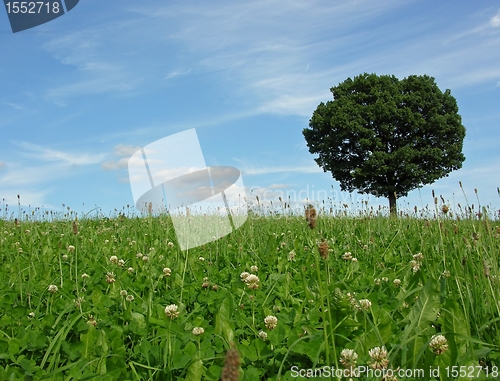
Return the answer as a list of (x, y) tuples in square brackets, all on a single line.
[(19, 174), (176, 73), (15, 106), (69, 158), (36, 198), (269, 54), (111, 165), (281, 169), (125, 150), (495, 20)]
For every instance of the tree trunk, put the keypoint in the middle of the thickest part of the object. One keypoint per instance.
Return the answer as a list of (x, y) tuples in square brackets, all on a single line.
[(392, 205)]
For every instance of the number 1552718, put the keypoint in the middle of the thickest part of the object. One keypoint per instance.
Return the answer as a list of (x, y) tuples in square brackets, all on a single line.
[(33, 7)]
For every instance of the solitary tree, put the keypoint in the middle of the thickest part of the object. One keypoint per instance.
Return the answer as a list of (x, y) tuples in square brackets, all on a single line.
[(385, 136)]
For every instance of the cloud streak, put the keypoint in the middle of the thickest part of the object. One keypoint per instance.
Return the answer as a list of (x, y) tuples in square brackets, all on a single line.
[(68, 158)]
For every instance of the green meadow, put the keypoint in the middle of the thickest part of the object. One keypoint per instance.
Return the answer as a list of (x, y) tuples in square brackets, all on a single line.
[(116, 299)]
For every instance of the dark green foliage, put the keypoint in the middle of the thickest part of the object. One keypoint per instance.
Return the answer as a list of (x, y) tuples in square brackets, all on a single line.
[(385, 136)]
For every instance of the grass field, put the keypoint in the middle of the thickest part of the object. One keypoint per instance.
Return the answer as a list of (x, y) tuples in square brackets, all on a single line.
[(115, 299)]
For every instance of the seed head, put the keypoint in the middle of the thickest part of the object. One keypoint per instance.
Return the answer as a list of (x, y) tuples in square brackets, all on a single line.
[(231, 370), (323, 249), (311, 216)]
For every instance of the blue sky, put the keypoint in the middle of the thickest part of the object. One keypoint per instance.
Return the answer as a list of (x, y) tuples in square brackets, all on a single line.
[(81, 93)]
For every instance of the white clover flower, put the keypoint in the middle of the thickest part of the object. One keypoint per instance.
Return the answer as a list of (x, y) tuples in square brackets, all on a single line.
[(254, 269), (347, 256), (198, 331), (291, 255), (379, 357), (354, 259), (201, 259), (113, 259), (171, 311), (170, 244), (129, 298), (121, 263), (348, 358), (415, 266), (418, 257), (123, 292), (271, 322), (244, 275), (71, 248), (65, 257), (145, 258), (53, 288), (438, 344), (110, 277), (385, 279), (167, 271), (138, 255), (263, 335), (365, 303), (252, 281), (31, 315), (130, 270), (85, 276), (376, 281), (397, 282)]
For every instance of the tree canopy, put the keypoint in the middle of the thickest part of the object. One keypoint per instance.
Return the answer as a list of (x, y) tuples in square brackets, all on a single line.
[(386, 136)]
